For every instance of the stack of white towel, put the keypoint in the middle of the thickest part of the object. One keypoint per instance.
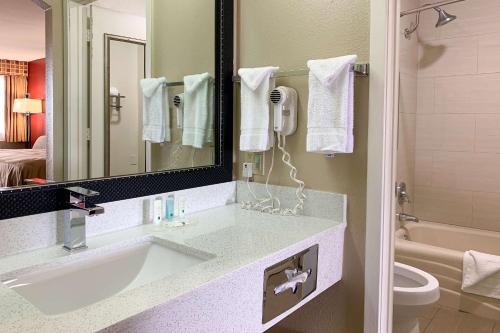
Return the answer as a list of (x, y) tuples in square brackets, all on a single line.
[(481, 274), (156, 115)]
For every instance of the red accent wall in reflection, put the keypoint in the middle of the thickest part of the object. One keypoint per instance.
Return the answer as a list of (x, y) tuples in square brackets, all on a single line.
[(36, 88)]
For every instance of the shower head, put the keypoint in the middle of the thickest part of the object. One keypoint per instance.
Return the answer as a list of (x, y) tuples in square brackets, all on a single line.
[(444, 17)]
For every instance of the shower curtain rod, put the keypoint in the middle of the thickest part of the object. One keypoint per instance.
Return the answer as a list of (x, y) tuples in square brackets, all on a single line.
[(427, 7)]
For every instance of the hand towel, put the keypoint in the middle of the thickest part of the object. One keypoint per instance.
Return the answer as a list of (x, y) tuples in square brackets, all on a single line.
[(156, 115), (198, 108), (256, 129), (211, 115), (331, 105), (481, 274)]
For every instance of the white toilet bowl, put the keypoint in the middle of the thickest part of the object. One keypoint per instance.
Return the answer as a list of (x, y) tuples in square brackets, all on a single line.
[(414, 291)]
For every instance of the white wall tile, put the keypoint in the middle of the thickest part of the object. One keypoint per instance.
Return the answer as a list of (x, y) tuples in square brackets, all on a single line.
[(408, 93), (457, 157), (445, 132), (488, 53), (468, 94), (426, 94), (443, 205), (488, 134), (456, 56), (423, 167), (486, 211)]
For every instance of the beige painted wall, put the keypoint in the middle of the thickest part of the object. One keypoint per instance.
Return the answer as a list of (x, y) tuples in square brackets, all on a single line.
[(457, 118), (287, 33), (183, 43)]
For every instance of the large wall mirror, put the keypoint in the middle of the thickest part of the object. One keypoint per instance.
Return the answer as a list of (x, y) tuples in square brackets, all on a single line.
[(115, 90), (141, 78)]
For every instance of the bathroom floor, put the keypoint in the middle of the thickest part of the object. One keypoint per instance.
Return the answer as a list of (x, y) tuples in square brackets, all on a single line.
[(439, 319)]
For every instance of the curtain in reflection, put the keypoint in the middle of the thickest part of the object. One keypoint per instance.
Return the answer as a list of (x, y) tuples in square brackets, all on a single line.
[(15, 123)]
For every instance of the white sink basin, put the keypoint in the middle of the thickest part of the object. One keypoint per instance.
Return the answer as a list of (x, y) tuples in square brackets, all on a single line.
[(57, 289)]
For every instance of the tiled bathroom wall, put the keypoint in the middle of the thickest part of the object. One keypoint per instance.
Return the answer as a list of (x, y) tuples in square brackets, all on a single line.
[(408, 80), (457, 159)]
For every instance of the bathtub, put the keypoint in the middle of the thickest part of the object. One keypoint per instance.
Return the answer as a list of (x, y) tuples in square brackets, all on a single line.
[(438, 249)]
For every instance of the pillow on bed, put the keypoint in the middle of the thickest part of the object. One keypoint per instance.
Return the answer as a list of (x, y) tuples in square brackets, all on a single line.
[(40, 143)]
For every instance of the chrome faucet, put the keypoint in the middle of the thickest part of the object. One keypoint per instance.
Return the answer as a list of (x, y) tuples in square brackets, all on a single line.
[(402, 217), (75, 237), (402, 193)]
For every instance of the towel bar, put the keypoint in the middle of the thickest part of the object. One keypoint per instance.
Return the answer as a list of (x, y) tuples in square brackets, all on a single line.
[(359, 69)]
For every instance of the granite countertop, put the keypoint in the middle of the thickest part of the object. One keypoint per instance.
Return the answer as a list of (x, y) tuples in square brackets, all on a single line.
[(235, 238)]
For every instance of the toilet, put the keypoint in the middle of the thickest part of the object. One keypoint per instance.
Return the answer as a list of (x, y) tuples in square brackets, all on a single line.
[(414, 291)]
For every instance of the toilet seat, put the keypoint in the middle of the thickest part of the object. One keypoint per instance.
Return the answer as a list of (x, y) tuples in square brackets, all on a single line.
[(413, 286)]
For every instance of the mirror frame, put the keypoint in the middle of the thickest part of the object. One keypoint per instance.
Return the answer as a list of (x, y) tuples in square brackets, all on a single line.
[(24, 201)]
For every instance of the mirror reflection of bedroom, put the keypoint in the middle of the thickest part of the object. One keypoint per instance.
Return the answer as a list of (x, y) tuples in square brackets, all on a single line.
[(23, 148)]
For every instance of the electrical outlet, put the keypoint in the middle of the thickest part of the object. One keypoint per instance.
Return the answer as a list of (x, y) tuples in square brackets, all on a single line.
[(247, 170), (258, 163)]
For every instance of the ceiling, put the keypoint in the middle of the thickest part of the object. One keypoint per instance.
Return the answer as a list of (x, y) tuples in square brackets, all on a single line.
[(132, 7), (22, 30)]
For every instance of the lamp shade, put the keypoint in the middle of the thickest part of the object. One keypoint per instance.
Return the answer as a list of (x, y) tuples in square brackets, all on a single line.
[(27, 105)]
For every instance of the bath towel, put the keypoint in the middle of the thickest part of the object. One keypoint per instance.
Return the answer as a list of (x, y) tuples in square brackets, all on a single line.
[(198, 108), (156, 115), (481, 274), (256, 129), (331, 105)]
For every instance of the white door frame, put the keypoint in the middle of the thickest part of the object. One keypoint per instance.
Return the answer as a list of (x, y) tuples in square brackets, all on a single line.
[(382, 134)]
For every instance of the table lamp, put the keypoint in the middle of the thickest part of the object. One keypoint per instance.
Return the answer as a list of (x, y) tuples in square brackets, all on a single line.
[(28, 106)]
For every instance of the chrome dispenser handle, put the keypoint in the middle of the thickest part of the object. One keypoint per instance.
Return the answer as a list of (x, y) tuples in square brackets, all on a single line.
[(295, 277)]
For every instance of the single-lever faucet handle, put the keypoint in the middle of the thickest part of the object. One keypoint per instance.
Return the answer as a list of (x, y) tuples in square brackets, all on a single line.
[(402, 194), (295, 277), (79, 194), (77, 198)]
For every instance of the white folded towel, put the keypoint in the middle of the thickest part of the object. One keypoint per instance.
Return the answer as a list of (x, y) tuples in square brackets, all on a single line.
[(481, 274), (198, 108), (331, 105), (256, 129), (156, 115)]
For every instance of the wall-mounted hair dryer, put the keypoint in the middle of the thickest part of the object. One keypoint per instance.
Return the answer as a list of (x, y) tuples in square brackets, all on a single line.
[(284, 100)]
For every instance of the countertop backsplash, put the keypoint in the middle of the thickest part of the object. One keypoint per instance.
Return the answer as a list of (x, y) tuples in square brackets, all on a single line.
[(326, 205), (40, 231), (44, 230)]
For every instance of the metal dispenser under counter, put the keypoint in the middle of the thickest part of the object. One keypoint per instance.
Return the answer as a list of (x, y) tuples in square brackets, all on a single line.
[(289, 282)]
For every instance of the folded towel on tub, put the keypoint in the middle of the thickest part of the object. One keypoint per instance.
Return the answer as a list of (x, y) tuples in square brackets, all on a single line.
[(481, 274)]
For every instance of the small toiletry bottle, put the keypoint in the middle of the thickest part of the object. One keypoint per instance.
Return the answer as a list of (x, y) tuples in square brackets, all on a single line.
[(182, 207), (169, 207), (157, 211)]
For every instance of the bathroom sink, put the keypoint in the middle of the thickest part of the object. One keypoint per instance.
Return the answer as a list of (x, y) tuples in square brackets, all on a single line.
[(60, 288)]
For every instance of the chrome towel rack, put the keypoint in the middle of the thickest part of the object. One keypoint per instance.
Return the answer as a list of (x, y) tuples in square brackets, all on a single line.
[(361, 70)]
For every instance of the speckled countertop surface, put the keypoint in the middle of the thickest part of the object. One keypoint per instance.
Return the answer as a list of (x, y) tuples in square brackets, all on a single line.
[(236, 237)]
